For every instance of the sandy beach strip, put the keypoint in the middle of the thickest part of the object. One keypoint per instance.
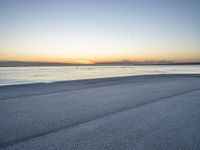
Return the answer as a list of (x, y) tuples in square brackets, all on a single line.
[(134, 112)]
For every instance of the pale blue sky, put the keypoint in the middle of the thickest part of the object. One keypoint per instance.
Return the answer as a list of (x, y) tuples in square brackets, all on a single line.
[(100, 29)]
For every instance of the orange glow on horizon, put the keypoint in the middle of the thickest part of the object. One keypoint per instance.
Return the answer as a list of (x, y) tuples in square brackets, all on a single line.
[(141, 57), (92, 61)]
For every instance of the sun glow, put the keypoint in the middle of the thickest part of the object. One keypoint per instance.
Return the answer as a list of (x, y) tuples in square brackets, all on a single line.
[(81, 61)]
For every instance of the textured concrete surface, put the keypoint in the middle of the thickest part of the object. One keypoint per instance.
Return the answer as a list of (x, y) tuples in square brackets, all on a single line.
[(141, 112)]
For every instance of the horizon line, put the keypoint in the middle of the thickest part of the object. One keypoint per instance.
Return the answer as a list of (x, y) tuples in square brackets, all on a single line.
[(14, 63)]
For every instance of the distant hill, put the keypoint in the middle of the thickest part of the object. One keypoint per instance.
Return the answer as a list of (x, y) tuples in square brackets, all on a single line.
[(28, 64), (127, 63), (118, 63)]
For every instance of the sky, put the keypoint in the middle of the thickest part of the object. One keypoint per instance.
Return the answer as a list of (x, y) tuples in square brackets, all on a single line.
[(89, 31)]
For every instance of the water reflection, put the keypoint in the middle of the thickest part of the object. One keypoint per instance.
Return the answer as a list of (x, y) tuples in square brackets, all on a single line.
[(18, 75)]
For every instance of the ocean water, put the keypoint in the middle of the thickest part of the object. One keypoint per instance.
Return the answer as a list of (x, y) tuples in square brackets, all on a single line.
[(22, 75)]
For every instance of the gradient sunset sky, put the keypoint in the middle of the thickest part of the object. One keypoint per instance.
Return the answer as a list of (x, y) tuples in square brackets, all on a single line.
[(89, 31)]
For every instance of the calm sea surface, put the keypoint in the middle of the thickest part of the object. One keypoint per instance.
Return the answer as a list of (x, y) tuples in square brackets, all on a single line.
[(22, 75)]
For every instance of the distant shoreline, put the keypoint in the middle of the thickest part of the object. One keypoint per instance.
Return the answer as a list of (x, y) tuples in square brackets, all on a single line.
[(49, 64)]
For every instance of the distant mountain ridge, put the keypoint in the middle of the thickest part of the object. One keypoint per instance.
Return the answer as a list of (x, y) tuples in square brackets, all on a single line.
[(117, 63), (27, 64)]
